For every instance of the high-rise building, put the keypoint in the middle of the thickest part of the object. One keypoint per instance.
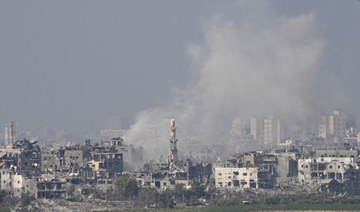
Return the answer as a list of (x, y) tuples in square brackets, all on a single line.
[(274, 131), (339, 120), (333, 125), (10, 132), (269, 131), (323, 127), (257, 128), (240, 128)]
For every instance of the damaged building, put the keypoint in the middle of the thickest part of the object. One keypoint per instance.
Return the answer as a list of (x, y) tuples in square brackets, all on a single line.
[(233, 177), (25, 169), (84, 162), (21, 171), (20, 164), (340, 165), (267, 169)]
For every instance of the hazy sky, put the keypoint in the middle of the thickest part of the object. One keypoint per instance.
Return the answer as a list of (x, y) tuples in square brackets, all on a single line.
[(70, 64)]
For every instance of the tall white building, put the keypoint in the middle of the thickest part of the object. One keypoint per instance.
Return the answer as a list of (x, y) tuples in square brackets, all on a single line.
[(333, 125), (274, 131), (257, 128), (269, 131), (323, 126), (338, 120), (240, 128), (10, 132)]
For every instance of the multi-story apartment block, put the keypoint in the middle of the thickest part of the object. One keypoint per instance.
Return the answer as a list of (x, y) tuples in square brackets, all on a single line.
[(257, 128), (333, 125), (274, 131), (324, 168), (232, 177)]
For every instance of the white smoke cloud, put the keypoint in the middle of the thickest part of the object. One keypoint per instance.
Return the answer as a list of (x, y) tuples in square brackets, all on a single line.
[(257, 66)]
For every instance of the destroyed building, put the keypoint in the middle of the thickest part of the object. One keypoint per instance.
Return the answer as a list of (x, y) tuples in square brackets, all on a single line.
[(51, 189), (233, 177), (200, 172), (73, 157), (20, 167), (256, 170), (106, 163), (132, 156), (50, 162), (316, 170), (25, 169), (87, 162), (23, 156)]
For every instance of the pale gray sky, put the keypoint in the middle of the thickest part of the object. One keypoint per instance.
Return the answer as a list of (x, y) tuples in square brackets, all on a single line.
[(70, 64)]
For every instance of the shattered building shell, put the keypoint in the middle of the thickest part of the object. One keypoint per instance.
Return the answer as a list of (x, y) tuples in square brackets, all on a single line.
[(246, 177), (315, 170)]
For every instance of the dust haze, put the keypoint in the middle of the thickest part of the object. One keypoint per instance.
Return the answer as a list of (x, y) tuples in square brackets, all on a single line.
[(263, 64)]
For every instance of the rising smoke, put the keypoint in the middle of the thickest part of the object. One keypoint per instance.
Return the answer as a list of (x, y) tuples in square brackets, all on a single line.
[(259, 65)]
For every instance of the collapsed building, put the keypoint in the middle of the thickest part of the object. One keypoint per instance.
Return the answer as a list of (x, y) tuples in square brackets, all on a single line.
[(315, 170), (84, 163), (132, 156), (25, 169), (340, 165), (255, 170), (21, 171), (302, 169), (234, 177)]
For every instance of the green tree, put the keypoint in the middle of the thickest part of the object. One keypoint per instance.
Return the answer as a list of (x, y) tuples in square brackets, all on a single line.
[(126, 187), (197, 189), (148, 196), (166, 199), (180, 192)]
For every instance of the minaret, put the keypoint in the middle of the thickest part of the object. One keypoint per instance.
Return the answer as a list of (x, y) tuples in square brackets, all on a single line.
[(173, 151)]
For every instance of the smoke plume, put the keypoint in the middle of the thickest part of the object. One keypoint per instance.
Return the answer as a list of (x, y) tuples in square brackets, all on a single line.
[(259, 65)]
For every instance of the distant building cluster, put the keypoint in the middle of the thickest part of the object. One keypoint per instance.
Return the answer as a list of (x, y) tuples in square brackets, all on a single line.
[(26, 169), (256, 132), (269, 169), (312, 162), (267, 131)]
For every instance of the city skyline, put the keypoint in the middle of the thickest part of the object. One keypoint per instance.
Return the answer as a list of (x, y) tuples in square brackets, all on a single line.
[(193, 105)]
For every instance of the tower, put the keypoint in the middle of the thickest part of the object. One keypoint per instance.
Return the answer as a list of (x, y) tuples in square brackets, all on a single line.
[(10, 133), (6, 136), (333, 125), (274, 131), (173, 151), (257, 128)]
